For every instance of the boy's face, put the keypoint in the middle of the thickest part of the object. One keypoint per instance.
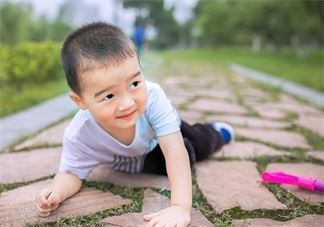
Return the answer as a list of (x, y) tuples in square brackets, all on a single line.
[(115, 96)]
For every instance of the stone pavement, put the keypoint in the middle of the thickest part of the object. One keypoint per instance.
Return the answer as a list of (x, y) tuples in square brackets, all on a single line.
[(274, 132)]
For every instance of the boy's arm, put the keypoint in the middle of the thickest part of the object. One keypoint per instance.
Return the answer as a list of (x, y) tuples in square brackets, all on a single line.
[(66, 184), (179, 173)]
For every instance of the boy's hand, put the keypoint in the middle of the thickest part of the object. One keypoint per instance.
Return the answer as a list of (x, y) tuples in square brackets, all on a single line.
[(173, 216), (47, 200)]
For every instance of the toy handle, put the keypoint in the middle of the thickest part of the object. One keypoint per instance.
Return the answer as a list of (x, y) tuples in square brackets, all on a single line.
[(279, 177), (302, 182)]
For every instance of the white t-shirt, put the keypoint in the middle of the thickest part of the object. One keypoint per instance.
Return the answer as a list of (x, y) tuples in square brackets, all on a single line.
[(86, 144)]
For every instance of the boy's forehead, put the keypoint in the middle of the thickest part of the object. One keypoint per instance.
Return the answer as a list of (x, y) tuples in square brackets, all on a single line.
[(88, 65), (128, 67)]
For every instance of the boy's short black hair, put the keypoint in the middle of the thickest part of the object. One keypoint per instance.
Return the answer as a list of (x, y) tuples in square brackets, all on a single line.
[(91, 45)]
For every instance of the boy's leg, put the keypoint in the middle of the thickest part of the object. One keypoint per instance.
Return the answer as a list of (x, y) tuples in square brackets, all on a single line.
[(201, 140), (203, 137)]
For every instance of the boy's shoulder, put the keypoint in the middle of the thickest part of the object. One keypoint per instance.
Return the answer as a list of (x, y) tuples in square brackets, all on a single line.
[(152, 85), (153, 88), (79, 122)]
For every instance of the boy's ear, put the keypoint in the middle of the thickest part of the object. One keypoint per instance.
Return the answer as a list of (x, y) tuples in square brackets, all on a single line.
[(77, 100)]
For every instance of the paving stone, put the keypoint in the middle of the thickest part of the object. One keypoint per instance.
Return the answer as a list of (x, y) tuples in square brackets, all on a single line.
[(313, 123), (301, 169), (193, 82), (254, 94), (184, 80), (218, 94), (316, 154), (248, 150), (153, 202), (285, 98), (29, 165), (252, 101), (169, 81), (104, 173), (241, 80), (191, 117), (298, 108), (267, 112), (51, 136), (88, 200), (307, 220), (177, 100), (251, 122), (228, 184), (180, 92), (277, 137), (210, 105)]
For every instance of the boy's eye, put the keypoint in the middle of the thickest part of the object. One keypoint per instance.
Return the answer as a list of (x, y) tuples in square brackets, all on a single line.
[(108, 97), (135, 84)]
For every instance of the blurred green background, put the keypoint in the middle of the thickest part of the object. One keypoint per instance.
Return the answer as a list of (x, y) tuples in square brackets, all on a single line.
[(284, 38)]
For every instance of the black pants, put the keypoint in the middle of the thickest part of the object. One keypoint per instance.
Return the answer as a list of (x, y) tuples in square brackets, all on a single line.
[(201, 140)]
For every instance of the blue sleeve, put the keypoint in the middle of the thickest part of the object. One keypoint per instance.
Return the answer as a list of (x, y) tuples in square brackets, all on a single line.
[(162, 116)]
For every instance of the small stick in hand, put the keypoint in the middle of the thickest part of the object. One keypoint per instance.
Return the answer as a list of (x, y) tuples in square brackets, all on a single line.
[(48, 195)]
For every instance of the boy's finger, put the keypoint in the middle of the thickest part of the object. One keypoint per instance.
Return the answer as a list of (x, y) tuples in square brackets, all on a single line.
[(44, 214), (41, 210), (42, 202), (152, 222), (149, 216), (53, 199)]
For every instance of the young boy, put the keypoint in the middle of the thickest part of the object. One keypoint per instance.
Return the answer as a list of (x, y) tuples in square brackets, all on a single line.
[(127, 122)]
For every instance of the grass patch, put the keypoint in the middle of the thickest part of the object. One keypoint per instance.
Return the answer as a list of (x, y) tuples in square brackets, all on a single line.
[(290, 116), (14, 99), (316, 141)]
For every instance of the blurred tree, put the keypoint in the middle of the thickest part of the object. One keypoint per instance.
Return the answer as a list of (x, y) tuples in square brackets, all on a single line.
[(14, 22), (216, 21), (59, 30), (307, 22), (18, 24), (39, 29), (270, 22), (168, 30)]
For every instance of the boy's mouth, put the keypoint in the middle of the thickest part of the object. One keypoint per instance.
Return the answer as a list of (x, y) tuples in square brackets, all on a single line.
[(127, 116)]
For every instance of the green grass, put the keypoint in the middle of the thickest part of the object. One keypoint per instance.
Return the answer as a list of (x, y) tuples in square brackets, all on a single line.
[(307, 71), (14, 99)]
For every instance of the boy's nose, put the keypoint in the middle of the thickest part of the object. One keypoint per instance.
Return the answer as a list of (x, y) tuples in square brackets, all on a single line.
[(126, 103)]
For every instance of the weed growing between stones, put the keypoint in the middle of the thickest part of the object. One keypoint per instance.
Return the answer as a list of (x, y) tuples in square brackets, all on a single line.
[(315, 140), (290, 116)]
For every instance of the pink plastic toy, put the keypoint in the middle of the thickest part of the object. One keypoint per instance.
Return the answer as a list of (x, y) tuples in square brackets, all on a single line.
[(284, 178)]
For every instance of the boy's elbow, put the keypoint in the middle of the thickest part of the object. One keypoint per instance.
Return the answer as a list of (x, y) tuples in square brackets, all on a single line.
[(67, 178)]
